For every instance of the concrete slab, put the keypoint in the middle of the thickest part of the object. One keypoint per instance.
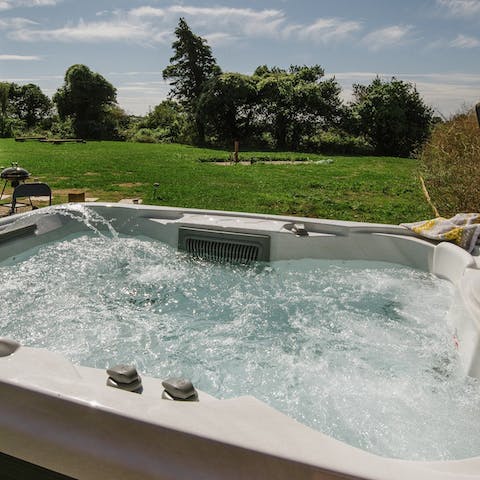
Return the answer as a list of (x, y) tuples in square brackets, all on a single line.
[(131, 200), (41, 199)]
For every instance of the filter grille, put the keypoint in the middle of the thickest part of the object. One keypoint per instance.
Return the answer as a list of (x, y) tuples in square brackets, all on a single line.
[(228, 247)]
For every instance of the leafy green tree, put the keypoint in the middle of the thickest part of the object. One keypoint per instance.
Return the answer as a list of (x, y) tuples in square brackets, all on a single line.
[(86, 97), (191, 66), (115, 121), (227, 106), (29, 104), (296, 102), (4, 96), (167, 122), (169, 116), (392, 116), (5, 123)]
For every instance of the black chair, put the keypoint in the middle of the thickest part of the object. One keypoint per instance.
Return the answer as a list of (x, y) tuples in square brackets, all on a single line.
[(30, 190)]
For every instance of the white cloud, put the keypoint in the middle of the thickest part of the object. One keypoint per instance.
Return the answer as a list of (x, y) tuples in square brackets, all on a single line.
[(394, 35), (87, 32), (228, 13), (220, 38), (15, 23), (210, 16), (245, 21), (20, 58), (220, 26), (325, 30), (464, 41), (9, 4), (461, 8), (147, 12)]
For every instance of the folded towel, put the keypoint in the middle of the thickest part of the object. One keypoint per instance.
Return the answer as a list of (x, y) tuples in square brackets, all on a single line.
[(462, 229)]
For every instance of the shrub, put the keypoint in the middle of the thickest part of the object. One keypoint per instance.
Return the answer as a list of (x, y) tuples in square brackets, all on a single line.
[(62, 128), (332, 142), (142, 135), (6, 127), (449, 163), (150, 135), (266, 140), (11, 127)]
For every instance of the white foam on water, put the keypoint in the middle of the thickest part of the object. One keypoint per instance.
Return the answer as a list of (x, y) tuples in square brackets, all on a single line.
[(358, 350)]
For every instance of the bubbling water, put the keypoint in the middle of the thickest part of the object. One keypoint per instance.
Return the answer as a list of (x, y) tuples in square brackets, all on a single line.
[(358, 350)]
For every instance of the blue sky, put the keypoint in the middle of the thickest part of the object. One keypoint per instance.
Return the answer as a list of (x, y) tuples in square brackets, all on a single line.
[(432, 43)]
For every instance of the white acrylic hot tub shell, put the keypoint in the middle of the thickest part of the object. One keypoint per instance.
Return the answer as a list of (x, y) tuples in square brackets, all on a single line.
[(64, 418)]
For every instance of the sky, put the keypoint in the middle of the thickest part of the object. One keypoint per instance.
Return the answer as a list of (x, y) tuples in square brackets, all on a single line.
[(434, 44)]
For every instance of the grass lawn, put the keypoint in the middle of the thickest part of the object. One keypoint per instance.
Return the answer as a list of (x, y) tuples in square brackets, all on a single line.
[(375, 189)]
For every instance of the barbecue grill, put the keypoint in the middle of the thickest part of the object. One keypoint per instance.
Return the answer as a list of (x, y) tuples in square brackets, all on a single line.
[(13, 174)]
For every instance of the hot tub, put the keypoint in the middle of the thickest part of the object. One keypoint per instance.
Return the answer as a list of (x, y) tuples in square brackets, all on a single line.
[(61, 416)]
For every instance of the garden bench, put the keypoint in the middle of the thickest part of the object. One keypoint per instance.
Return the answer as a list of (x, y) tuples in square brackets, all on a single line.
[(58, 141), (24, 139)]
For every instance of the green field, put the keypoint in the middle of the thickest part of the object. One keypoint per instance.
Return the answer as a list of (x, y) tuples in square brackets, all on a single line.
[(376, 189)]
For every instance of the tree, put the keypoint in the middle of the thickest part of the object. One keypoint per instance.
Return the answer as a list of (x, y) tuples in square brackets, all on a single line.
[(5, 123), (164, 115), (86, 97), (190, 68), (227, 106), (29, 104), (4, 96), (296, 102), (392, 115), (169, 117)]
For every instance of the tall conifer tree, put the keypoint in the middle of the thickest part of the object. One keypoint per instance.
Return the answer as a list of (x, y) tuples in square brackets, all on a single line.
[(191, 66)]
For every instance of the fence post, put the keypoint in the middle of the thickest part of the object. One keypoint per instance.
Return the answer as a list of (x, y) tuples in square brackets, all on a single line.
[(236, 145)]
